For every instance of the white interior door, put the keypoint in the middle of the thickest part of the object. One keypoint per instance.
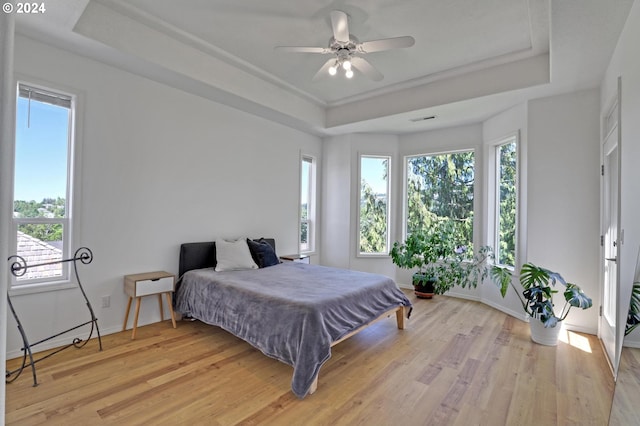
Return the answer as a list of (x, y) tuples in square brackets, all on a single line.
[(610, 207)]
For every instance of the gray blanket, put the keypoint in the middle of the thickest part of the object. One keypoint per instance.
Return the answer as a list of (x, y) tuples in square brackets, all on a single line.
[(291, 312)]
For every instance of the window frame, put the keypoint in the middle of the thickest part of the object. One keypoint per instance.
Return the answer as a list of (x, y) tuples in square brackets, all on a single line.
[(70, 222), (493, 225), (389, 159), (311, 205)]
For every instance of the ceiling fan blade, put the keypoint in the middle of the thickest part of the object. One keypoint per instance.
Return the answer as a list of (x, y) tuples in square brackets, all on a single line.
[(302, 49), (324, 70), (366, 68), (386, 44), (340, 25)]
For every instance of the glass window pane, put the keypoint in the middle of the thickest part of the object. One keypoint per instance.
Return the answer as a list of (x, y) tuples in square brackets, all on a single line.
[(374, 205), (304, 236), (440, 190), (506, 208), (42, 139), (304, 189), (40, 243), (307, 213)]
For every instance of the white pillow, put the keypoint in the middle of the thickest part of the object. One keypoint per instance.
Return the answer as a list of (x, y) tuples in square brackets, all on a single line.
[(233, 255)]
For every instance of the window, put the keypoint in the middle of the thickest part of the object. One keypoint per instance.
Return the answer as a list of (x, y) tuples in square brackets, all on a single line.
[(439, 190), (373, 226), (307, 204), (505, 201), (42, 183)]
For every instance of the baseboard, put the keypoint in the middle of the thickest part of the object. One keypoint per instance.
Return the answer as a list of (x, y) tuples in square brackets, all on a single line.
[(628, 344), (520, 315), (64, 340), (452, 293), (516, 314), (579, 328), (463, 296), (405, 286)]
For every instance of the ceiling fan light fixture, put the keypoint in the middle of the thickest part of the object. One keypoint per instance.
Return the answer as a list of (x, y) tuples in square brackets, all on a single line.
[(346, 49)]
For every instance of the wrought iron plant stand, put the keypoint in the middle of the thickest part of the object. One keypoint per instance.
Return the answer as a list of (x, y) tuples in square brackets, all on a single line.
[(19, 268)]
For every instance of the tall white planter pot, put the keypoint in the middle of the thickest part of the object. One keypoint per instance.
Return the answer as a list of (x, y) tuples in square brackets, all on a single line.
[(542, 335)]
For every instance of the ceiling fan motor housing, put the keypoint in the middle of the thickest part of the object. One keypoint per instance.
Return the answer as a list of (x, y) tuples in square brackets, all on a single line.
[(351, 45)]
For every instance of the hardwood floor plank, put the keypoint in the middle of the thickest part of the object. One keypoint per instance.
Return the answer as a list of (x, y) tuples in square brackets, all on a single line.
[(457, 363), (627, 395)]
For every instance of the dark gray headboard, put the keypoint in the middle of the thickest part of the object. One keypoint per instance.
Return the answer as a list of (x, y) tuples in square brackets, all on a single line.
[(202, 255)]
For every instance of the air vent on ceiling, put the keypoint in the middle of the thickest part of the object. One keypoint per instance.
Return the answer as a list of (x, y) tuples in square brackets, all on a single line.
[(416, 120)]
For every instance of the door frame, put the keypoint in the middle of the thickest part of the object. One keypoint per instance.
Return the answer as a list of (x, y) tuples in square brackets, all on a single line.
[(608, 131)]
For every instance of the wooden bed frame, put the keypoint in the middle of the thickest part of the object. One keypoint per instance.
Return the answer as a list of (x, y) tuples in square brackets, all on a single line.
[(400, 319), (203, 255)]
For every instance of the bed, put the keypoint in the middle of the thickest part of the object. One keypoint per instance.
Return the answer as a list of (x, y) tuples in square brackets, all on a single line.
[(293, 312)]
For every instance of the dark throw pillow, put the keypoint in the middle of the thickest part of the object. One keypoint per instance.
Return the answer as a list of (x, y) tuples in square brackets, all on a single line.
[(262, 252)]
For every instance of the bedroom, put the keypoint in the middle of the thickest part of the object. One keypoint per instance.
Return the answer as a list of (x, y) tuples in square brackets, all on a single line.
[(144, 191)]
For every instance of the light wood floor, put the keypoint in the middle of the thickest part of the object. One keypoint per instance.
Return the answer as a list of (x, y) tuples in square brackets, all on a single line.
[(626, 400), (457, 363)]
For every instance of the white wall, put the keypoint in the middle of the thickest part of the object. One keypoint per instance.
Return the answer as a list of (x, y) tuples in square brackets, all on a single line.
[(340, 199), (625, 62), (563, 194), (337, 191), (159, 167)]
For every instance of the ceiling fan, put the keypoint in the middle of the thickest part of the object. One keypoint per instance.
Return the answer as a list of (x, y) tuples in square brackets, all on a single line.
[(346, 51)]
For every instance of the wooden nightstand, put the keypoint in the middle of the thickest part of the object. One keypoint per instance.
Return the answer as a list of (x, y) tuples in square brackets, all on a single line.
[(139, 285), (302, 258)]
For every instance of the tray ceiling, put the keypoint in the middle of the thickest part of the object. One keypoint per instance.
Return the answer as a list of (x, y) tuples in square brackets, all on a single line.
[(470, 59)]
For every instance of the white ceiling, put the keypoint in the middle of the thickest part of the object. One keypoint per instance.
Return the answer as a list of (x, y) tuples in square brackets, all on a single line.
[(448, 34), (471, 59)]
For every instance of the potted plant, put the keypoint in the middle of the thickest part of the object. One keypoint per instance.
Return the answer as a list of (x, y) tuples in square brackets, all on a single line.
[(537, 299), (417, 252), (441, 261)]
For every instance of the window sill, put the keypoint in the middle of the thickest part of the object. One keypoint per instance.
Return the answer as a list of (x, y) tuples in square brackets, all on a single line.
[(25, 289), (373, 256)]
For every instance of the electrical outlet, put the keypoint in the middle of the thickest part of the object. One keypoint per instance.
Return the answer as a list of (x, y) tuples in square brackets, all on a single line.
[(106, 301)]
